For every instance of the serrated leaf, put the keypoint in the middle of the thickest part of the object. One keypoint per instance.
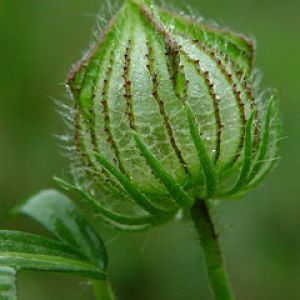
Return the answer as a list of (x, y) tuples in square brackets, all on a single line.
[(24, 251), (61, 216), (8, 289)]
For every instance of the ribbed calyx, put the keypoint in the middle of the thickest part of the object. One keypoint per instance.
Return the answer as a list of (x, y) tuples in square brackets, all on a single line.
[(166, 111)]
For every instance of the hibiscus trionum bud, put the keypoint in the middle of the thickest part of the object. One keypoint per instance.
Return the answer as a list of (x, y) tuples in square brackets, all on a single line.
[(167, 112)]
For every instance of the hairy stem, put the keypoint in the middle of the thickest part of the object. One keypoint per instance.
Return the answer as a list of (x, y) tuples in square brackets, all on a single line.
[(211, 249), (102, 290)]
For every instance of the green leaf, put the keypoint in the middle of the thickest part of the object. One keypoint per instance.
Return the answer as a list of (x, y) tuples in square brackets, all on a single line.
[(8, 289), (24, 251), (62, 217)]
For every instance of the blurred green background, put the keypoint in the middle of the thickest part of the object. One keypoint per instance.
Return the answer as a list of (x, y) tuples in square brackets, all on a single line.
[(39, 41)]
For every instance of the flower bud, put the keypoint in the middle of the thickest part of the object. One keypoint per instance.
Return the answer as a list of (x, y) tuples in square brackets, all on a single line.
[(167, 111)]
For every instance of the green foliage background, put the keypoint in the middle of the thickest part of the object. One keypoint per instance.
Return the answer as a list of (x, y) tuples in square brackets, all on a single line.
[(39, 41)]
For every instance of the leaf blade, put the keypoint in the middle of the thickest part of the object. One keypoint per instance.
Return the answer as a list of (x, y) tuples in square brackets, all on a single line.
[(24, 251), (61, 217)]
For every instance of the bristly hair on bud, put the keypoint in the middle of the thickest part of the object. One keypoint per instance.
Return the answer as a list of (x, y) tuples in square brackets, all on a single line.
[(166, 111)]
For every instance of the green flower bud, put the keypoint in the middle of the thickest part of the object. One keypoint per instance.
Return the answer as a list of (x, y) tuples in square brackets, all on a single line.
[(167, 111)]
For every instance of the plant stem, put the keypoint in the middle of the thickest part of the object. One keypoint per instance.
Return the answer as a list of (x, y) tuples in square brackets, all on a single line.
[(102, 290), (212, 253)]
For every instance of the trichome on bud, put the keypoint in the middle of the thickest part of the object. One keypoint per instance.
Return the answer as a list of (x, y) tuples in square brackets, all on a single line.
[(166, 111)]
